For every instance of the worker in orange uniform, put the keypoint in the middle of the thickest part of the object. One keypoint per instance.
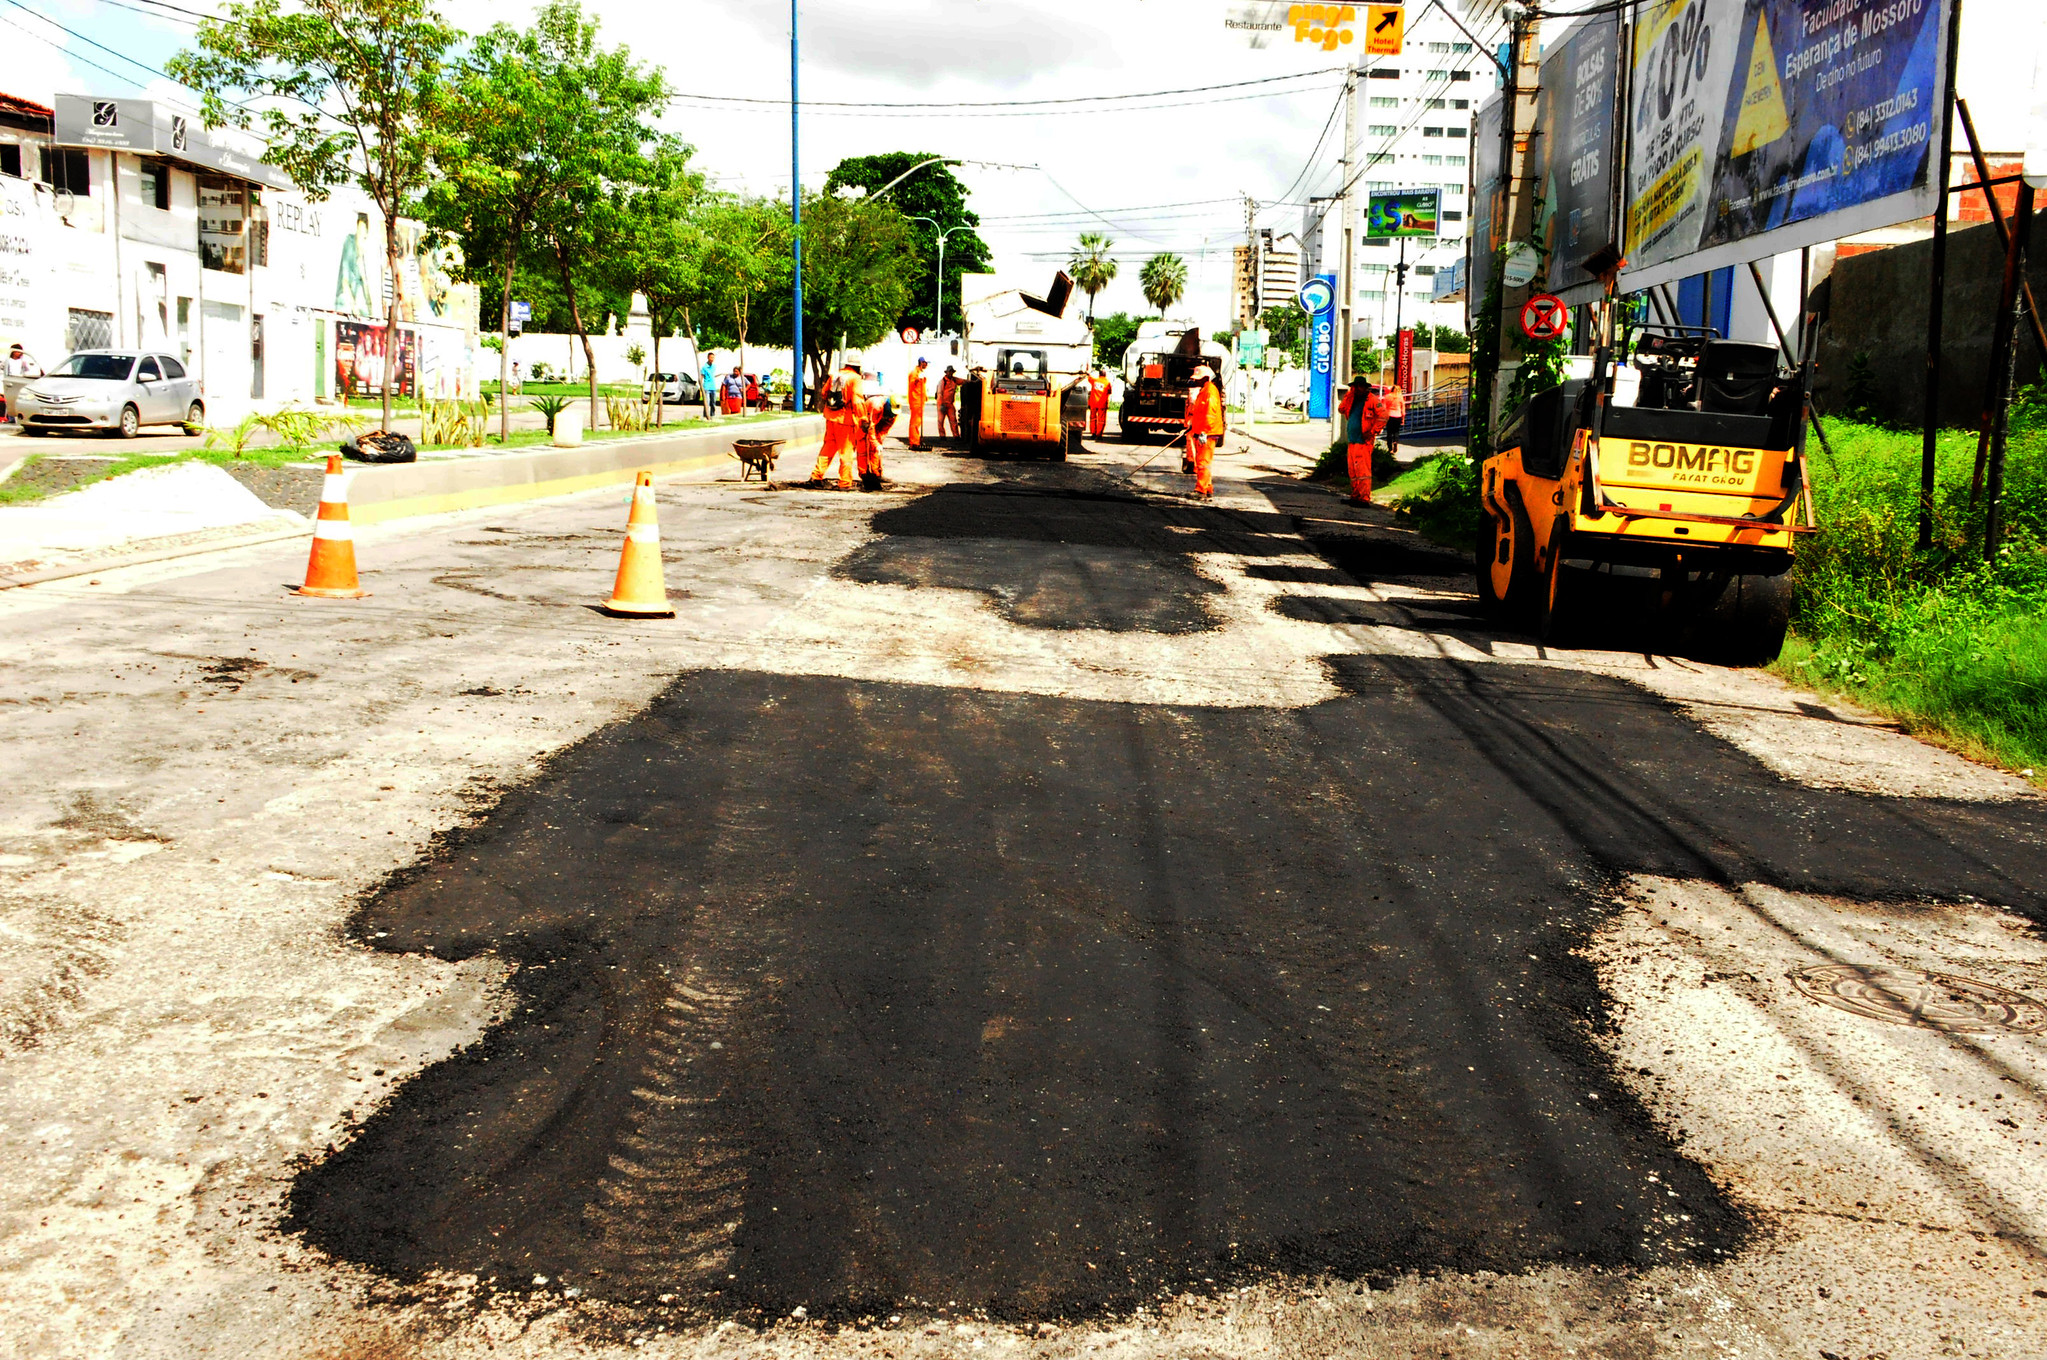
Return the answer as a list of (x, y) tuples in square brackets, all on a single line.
[(913, 433), (846, 420), (1205, 429), (948, 403), (1098, 403), (881, 418), (1395, 398), (1364, 415)]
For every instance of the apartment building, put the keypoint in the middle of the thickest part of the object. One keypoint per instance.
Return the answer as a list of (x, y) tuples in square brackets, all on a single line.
[(1414, 129), (125, 223)]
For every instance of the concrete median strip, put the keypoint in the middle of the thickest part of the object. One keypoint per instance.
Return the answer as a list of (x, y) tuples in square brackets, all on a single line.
[(437, 486)]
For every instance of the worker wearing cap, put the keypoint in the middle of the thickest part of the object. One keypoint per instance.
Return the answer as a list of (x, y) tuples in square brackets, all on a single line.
[(948, 403), (1395, 399), (913, 432), (1205, 429), (1098, 403), (881, 418), (1364, 414), (846, 422)]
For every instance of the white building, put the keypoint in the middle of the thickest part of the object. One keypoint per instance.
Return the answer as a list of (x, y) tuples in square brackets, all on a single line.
[(127, 224), (1415, 114)]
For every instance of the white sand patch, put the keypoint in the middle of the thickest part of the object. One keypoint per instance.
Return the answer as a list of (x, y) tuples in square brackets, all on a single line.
[(181, 498)]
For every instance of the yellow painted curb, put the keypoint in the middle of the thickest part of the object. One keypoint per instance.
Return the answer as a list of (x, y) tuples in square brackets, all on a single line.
[(406, 507)]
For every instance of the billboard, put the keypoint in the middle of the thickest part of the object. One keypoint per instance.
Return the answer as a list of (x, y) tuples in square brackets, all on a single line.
[(1410, 212), (1759, 126), (1487, 228), (1575, 98), (1318, 300)]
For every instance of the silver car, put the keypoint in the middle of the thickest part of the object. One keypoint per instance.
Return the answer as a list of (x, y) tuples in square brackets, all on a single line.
[(111, 389)]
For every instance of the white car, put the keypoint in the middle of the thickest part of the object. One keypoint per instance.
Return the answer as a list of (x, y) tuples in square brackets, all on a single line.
[(676, 388), (111, 390)]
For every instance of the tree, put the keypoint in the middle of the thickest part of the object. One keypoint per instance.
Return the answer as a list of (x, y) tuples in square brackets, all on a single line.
[(354, 92), (859, 262), (1092, 266), (600, 102), (745, 251), (934, 193), (519, 103), (1288, 326), (1114, 334), (657, 244), (1164, 281)]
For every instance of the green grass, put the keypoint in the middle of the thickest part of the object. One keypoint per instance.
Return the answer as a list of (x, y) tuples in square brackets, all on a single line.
[(1438, 496), (1952, 646)]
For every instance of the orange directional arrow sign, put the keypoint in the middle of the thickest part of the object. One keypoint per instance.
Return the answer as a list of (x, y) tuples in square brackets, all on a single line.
[(1384, 25)]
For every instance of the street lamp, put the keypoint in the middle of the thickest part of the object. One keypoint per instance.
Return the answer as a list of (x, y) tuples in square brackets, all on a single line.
[(795, 217), (938, 303)]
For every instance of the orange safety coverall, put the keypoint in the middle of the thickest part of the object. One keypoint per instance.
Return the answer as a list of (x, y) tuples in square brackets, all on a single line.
[(867, 436), (914, 435), (1364, 425), (840, 428), (1097, 405), (1204, 430), (948, 405)]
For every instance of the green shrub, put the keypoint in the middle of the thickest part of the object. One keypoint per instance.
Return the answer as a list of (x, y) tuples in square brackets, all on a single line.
[(549, 407), (1953, 645)]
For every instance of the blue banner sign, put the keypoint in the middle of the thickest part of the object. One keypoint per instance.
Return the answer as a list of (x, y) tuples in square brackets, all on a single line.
[(1318, 299)]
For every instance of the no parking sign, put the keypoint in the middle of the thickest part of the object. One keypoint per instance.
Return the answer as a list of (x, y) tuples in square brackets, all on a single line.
[(1543, 317)]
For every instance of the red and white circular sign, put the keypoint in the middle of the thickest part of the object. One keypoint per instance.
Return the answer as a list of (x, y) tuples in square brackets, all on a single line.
[(1543, 317), (910, 335)]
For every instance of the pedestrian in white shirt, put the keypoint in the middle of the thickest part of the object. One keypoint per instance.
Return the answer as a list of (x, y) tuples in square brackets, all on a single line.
[(17, 370)]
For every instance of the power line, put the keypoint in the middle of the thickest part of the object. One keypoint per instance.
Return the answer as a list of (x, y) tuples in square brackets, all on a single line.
[(770, 106), (998, 103), (1136, 208), (26, 31)]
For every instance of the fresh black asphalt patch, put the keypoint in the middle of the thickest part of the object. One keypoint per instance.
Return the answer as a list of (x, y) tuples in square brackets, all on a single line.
[(874, 997)]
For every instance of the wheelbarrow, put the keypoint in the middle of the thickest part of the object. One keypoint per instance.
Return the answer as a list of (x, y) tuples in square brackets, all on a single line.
[(756, 456)]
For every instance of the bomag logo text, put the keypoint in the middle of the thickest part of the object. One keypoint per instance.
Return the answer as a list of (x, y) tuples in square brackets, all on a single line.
[(1324, 25), (1694, 462)]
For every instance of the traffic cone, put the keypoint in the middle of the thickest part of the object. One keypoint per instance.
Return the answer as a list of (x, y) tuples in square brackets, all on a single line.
[(330, 570), (640, 592)]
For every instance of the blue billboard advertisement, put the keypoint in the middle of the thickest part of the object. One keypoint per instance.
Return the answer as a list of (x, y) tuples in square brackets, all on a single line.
[(1759, 126), (1318, 299)]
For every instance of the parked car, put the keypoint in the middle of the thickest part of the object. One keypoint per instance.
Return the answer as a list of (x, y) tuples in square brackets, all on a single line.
[(677, 389), (112, 390)]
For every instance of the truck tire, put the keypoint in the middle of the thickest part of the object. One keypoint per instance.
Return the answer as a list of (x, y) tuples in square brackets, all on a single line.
[(1069, 440), (1505, 562), (1743, 621)]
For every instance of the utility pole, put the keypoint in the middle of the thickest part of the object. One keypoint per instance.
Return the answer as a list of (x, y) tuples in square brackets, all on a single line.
[(796, 215), (1254, 260), (1937, 279), (1517, 123), (1346, 258)]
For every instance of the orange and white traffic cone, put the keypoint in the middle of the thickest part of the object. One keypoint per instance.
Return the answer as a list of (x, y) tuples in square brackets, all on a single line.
[(640, 592), (330, 570)]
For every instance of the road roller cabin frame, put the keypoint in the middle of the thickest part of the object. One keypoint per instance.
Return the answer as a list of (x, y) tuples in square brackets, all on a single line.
[(1025, 361), (1686, 503)]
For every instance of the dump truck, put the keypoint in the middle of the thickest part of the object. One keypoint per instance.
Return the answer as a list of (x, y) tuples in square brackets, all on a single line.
[(1025, 359), (1669, 491), (1158, 377)]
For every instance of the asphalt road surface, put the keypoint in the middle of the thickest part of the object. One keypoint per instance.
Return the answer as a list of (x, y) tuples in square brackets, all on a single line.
[(1023, 909)]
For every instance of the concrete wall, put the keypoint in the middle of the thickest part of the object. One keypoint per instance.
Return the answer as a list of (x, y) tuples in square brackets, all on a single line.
[(1878, 308)]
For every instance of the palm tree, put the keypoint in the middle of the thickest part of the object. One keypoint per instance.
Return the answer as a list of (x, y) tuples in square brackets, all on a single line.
[(1092, 267), (1164, 280)]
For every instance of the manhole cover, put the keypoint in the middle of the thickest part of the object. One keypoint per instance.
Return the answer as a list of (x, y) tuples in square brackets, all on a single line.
[(1911, 996)]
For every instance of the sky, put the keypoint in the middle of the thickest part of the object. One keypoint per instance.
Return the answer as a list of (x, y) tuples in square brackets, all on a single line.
[(1152, 178)]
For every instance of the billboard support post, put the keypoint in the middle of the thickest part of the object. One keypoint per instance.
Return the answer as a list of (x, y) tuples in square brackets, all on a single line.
[(2004, 353), (1937, 282)]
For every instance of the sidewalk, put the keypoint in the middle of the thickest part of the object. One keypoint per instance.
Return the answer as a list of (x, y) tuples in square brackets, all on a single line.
[(1305, 439)]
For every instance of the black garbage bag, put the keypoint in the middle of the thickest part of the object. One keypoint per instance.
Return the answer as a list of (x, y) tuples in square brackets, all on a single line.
[(380, 446)]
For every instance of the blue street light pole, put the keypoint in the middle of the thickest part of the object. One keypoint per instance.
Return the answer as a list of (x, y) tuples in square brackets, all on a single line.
[(796, 209)]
